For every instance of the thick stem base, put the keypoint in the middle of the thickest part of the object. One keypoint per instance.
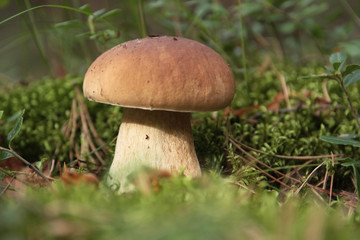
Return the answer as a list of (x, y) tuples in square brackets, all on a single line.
[(159, 140)]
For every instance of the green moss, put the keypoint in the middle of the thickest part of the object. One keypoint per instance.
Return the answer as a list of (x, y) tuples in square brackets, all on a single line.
[(47, 105), (294, 133), (207, 208)]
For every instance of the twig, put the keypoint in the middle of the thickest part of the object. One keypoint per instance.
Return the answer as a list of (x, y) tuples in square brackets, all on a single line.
[(325, 91), (243, 186), (73, 125), (288, 157), (90, 124), (7, 186), (317, 194), (265, 173), (332, 177), (307, 179), (296, 169), (261, 163), (85, 129), (284, 86), (272, 177), (325, 178), (296, 109), (26, 163)]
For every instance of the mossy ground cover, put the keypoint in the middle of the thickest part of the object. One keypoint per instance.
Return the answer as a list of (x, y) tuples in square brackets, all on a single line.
[(235, 198), (266, 172), (207, 208)]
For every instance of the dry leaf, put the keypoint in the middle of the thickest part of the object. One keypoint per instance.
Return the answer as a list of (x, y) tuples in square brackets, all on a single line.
[(148, 181), (71, 177)]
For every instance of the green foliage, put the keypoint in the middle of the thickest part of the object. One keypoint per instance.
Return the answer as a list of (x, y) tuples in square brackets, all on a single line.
[(286, 29), (352, 77), (338, 61), (47, 105), (341, 140), (207, 208), (70, 36), (18, 119), (344, 78)]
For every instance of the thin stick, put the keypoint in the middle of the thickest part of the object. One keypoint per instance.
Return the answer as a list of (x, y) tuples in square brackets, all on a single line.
[(265, 173), (307, 179), (73, 123), (332, 177), (261, 163), (296, 169), (90, 124), (325, 178), (325, 91), (26, 163), (85, 130), (275, 179), (317, 194), (287, 157), (243, 186), (284, 86), (7, 186)]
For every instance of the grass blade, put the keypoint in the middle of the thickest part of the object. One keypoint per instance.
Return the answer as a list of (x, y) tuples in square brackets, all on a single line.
[(85, 12)]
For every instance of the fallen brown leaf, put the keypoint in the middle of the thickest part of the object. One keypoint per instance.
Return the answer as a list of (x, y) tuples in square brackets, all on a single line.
[(70, 177)]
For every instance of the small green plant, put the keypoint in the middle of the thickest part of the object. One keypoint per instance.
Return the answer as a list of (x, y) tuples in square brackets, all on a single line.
[(8, 152), (344, 75)]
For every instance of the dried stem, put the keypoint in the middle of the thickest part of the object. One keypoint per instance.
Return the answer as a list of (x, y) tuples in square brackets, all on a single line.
[(26, 163), (287, 157), (237, 145), (296, 169), (284, 86), (332, 177), (7, 186), (307, 179)]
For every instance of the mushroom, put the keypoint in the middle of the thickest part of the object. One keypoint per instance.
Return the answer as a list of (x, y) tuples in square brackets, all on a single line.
[(158, 81)]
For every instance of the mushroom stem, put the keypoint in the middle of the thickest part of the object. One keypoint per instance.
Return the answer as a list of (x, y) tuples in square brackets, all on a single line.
[(157, 139)]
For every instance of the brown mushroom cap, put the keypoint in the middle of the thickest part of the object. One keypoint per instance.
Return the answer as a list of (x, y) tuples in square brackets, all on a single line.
[(161, 73)]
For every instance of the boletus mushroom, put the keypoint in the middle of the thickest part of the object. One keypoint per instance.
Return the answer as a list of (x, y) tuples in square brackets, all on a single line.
[(158, 81)]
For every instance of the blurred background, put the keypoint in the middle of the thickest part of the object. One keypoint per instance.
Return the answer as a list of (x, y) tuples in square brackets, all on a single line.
[(58, 38)]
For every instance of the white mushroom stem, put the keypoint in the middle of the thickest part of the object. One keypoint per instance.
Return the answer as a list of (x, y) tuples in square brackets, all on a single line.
[(157, 139)]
